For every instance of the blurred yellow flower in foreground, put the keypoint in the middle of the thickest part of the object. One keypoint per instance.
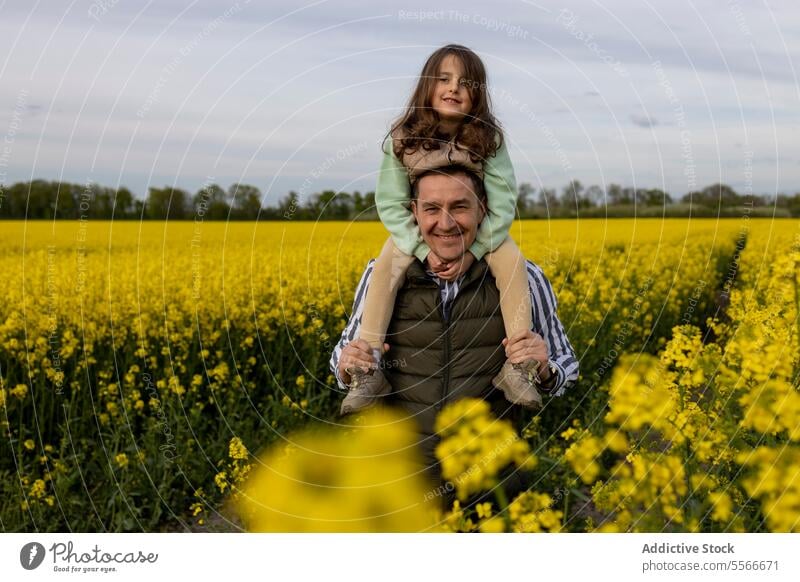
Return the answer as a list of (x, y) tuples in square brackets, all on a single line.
[(362, 478), (475, 446)]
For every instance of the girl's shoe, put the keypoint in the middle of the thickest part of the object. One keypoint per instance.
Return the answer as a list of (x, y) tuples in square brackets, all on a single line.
[(517, 381), (365, 390)]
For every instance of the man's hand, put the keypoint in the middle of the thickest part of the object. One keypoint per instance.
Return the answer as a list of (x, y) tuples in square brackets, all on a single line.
[(357, 354), (450, 271), (525, 346)]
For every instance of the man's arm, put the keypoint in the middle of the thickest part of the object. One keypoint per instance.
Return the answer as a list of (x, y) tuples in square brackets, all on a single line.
[(350, 331), (547, 324)]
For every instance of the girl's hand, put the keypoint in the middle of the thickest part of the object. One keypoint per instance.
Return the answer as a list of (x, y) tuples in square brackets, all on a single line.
[(457, 268), (436, 264), (454, 269)]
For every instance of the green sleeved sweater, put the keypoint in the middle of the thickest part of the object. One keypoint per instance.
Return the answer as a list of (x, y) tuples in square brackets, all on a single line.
[(393, 194)]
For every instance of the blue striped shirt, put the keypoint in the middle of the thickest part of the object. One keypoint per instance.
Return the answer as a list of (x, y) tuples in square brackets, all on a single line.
[(545, 323)]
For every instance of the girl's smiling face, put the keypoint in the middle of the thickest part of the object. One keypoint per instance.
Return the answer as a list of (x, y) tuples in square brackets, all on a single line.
[(451, 95)]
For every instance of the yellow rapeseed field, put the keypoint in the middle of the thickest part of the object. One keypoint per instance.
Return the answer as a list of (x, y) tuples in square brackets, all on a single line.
[(153, 375)]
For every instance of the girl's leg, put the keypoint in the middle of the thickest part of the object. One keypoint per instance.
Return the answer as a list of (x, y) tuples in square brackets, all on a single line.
[(387, 277), (507, 264)]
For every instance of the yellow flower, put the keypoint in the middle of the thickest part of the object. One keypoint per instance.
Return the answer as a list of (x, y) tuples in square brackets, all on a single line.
[(455, 520), (616, 441), (640, 395), (236, 449), (365, 478), (475, 446), (197, 508), (772, 409), (582, 456), (29, 444), (568, 434), (37, 489), (20, 391), (532, 512), (774, 478), (722, 506), (484, 510), (122, 460), (492, 525), (221, 480)]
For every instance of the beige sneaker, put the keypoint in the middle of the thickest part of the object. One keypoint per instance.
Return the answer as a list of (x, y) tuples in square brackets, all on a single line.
[(517, 383), (366, 388)]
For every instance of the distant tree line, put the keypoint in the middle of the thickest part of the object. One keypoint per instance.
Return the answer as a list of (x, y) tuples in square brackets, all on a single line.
[(41, 199), (615, 200)]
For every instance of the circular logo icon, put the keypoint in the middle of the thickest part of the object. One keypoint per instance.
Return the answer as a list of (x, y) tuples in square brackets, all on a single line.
[(31, 555)]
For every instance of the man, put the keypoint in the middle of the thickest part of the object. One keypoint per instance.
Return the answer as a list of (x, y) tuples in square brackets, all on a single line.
[(446, 337)]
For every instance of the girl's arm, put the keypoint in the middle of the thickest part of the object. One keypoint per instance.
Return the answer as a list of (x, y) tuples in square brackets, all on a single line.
[(501, 194), (392, 197)]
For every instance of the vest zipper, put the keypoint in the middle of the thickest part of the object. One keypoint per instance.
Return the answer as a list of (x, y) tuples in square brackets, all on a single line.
[(446, 375)]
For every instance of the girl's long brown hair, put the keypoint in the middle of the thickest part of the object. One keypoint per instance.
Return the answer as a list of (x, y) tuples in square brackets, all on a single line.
[(420, 123)]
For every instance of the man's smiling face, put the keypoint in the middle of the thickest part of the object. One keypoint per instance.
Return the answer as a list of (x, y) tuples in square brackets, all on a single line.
[(448, 213)]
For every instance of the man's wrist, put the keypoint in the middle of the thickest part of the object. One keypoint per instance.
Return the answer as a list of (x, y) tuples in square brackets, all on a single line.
[(343, 378), (548, 374)]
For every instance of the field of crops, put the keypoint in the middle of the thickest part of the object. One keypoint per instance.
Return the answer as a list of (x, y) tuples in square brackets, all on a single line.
[(144, 367)]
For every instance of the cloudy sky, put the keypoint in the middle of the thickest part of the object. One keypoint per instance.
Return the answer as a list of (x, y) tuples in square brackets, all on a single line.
[(297, 96)]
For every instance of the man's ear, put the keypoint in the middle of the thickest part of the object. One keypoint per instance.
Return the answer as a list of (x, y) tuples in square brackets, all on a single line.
[(414, 208)]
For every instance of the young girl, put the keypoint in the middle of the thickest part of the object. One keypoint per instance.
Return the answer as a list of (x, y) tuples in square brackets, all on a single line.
[(448, 121)]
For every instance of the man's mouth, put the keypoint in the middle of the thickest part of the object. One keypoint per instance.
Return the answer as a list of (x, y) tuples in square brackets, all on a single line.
[(449, 236)]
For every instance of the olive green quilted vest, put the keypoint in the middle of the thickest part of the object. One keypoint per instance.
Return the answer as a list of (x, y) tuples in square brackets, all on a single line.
[(433, 361)]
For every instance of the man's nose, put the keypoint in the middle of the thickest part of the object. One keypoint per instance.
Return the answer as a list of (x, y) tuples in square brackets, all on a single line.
[(446, 221)]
